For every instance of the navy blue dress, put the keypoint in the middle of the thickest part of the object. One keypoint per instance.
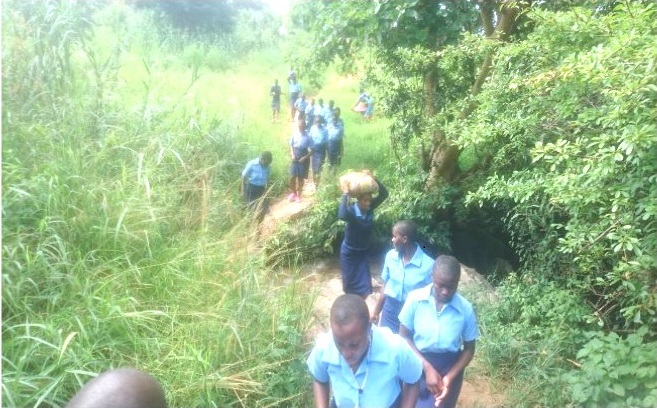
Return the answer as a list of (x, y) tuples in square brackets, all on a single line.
[(354, 265)]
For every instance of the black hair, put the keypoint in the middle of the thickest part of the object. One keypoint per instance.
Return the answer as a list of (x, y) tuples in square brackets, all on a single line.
[(122, 387), (266, 156), (347, 308), (448, 266), (407, 228)]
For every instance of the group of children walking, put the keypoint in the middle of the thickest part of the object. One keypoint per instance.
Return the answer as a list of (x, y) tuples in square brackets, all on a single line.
[(317, 135)]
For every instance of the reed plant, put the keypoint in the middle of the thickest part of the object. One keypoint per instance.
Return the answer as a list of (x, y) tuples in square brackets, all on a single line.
[(124, 239)]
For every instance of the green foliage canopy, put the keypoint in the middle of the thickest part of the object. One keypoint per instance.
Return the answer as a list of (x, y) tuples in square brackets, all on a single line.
[(567, 123)]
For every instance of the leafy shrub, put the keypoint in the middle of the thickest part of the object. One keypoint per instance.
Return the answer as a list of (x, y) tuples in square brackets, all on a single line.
[(531, 308), (315, 233), (569, 119), (528, 334), (408, 200), (615, 371)]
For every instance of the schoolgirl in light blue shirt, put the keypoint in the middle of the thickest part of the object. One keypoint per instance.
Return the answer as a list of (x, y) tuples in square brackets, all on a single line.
[(256, 171), (254, 182), (438, 334), (364, 364), (335, 129), (319, 136), (441, 327), (406, 267), (318, 133), (401, 278)]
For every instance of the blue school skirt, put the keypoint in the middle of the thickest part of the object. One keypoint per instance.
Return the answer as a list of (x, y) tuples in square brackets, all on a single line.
[(396, 404), (442, 362), (299, 169), (318, 157), (390, 314), (334, 148), (253, 192), (355, 270)]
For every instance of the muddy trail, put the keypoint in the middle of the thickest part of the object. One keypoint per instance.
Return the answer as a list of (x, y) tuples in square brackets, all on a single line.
[(323, 277)]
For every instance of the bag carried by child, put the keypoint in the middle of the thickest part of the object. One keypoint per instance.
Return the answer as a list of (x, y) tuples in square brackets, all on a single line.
[(357, 183)]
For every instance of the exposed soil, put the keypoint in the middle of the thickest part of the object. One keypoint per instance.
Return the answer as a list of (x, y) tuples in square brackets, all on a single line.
[(323, 276)]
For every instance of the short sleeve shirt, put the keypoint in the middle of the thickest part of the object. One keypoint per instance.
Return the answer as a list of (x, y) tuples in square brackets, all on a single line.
[(318, 134), (388, 360), (300, 143), (401, 279), (327, 114), (335, 129), (299, 140), (255, 173), (295, 87), (435, 333), (300, 105)]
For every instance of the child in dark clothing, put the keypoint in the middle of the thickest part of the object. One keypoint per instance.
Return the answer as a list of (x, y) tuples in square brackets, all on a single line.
[(354, 265), (300, 151)]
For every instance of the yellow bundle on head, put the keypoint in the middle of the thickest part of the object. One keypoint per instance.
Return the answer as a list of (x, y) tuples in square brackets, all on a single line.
[(357, 183)]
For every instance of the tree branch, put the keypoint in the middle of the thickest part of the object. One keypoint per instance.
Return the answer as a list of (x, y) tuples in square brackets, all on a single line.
[(486, 8), (444, 154)]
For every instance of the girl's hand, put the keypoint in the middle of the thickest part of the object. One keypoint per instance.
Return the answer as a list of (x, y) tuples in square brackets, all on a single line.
[(434, 380), (445, 389), (374, 317)]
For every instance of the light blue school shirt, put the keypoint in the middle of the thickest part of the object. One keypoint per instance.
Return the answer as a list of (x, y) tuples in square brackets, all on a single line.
[(327, 114), (318, 134), (300, 140), (401, 279), (388, 360), (255, 173), (335, 129), (300, 105), (295, 87), (456, 324)]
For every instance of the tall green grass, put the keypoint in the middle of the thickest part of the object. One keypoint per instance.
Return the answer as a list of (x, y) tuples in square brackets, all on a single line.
[(124, 240)]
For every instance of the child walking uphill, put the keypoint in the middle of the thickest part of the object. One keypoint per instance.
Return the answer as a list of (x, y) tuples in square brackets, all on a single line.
[(300, 151), (254, 183), (319, 142), (354, 265)]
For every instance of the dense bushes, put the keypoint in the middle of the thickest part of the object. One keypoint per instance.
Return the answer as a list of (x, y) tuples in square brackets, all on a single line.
[(581, 105), (567, 122)]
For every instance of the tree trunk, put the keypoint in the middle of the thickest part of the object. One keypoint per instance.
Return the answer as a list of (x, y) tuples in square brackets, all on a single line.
[(429, 112), (444, 154)]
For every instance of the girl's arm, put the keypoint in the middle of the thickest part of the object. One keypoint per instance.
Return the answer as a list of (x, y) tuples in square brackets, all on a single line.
[(344, 213), (381, 197)]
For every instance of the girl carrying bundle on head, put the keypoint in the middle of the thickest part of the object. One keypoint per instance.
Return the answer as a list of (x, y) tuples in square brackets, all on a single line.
[(359, 216)]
